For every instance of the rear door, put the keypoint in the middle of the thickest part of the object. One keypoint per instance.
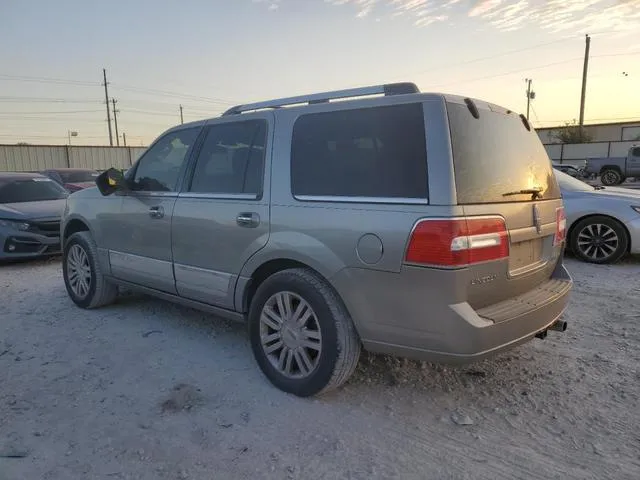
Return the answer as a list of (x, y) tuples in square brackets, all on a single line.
[(222, 216), (502, 169)]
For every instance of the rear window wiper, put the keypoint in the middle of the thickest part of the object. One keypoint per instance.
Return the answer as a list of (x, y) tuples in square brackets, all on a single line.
[(534, 192)]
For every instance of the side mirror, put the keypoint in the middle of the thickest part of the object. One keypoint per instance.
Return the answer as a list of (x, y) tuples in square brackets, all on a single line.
[(111, 181)]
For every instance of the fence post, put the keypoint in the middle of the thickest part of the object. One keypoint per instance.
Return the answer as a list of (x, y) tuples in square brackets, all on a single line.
[(609, 149), (130, 159), (66, 149), (561, 153)]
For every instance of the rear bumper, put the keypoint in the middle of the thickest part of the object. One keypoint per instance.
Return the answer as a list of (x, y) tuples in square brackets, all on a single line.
[(456, 333), (18, 245), (634, 235)]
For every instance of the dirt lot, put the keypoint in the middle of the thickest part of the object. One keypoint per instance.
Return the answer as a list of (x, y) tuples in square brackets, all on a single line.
[(147, 390)]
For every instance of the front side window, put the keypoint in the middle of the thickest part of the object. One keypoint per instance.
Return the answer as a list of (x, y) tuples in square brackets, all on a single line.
[(159, 169), (377, 152), (636, 152), (231, 159)]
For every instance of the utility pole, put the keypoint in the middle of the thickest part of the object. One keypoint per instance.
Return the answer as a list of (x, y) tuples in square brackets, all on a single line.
[(530, 95), (584, 78), (181, 119), (115, 120), (106, 101), (124, 139)]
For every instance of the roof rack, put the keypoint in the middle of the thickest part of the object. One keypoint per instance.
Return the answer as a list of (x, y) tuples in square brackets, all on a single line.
[(387, 89)]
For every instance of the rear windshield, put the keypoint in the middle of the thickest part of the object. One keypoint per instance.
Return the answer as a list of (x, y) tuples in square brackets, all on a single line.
[(79, 176), (30, 190), (496, 157)]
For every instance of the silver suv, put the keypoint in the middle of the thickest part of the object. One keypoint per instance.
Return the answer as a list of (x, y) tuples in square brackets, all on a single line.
[(423, 225)]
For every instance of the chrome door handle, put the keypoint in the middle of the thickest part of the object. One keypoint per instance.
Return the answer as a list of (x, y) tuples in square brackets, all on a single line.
[(156, 212), (248, 219)]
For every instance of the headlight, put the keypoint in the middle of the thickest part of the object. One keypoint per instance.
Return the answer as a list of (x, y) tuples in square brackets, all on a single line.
[(637, 209), (16, 225)]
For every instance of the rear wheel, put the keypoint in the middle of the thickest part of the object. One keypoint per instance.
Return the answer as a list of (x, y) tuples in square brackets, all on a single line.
[(301, 334), (611, 177), (599, 239), (82, 274)]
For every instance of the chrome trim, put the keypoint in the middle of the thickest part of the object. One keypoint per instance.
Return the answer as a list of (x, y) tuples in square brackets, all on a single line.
[(142, 193), (220, 196), (341, 199)]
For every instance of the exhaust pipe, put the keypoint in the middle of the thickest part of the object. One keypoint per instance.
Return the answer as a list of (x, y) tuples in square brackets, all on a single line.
[(541, 335), (559, 326)]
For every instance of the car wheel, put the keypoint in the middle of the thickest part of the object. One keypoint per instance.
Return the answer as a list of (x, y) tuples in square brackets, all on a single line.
[(611, 177), (301, 333), (599, 239), (86, 285)]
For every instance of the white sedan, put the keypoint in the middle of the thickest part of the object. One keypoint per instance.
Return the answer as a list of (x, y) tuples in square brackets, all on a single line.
[(603, 223)]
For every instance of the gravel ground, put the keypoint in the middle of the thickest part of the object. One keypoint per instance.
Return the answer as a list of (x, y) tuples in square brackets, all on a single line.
[(147, 390)]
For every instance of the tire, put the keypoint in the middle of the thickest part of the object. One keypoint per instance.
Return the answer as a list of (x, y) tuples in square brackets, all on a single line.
[(611, 177), (80, 248), (608, 239), (327, 328)]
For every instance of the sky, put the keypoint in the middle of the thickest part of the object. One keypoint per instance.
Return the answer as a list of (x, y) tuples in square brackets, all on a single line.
[(207, 55)]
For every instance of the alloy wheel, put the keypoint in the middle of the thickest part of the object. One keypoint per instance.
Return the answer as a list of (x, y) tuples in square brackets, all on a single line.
[(78, 271), (290, 335), (598, 241)]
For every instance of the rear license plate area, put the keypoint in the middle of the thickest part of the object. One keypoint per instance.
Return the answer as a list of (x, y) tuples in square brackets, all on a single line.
[(526, 255)]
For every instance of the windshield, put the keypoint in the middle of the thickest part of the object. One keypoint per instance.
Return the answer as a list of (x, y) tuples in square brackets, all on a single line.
[(30, 190), (497, 159), (79, 176), (567, 182)]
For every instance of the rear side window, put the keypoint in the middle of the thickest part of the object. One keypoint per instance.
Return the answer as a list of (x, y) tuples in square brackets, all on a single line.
[(231, 159), (375, 152), (495, 157)]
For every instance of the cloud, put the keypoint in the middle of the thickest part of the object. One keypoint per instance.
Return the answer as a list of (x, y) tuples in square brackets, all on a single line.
[(508, 15), (272, 5)]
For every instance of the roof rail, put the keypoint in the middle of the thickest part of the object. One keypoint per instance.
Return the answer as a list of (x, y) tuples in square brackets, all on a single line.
[(387, 89)]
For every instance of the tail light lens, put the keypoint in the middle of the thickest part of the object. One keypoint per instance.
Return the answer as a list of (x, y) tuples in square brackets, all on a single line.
[(458, 242), (561, 227)]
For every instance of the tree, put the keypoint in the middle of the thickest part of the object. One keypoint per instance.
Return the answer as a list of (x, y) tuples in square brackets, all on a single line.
[(572, 133)]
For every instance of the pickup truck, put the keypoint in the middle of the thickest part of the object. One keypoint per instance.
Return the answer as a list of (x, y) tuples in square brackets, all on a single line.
[(615, 170)]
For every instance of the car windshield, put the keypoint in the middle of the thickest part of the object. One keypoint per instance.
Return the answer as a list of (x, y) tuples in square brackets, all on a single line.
[(30, 190), (567, 182), (78, 176)]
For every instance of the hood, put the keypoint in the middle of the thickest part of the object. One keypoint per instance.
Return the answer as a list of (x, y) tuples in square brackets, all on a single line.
[(619, 192), (32, 210)]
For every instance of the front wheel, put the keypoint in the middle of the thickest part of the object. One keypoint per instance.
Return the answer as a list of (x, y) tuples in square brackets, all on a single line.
[(301, 333), (82, 274), (599, 239)]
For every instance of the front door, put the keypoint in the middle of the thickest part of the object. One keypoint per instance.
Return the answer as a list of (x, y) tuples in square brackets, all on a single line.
[(633, 165), (221, 217), (141, 254)]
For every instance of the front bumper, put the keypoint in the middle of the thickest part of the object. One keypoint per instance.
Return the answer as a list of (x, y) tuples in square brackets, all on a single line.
[(17, 244), (634, 235)]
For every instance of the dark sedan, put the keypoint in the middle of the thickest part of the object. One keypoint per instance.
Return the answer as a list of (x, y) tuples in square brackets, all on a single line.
[(30, 209), (73, 179)]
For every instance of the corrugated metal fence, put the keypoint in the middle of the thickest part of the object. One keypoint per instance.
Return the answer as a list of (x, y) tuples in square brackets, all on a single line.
[(24, 158)]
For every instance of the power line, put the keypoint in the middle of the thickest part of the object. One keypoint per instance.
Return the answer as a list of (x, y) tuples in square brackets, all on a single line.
[(50, 112), (57, 81), (173, 94), (12, 99)]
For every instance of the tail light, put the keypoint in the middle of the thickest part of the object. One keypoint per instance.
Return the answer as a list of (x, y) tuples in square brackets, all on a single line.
[(561, 227), (458, 242)]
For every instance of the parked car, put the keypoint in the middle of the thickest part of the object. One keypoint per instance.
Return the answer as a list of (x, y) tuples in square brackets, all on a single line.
[(615, 170), (603, 222), (330, 226), (568, 169), (73, 179), (30, 209)]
